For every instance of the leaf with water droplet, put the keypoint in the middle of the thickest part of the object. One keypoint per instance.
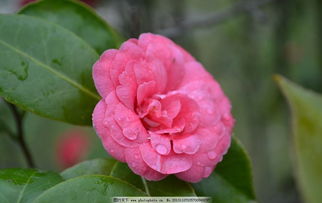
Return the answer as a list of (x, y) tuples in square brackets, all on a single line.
[(46, 69)]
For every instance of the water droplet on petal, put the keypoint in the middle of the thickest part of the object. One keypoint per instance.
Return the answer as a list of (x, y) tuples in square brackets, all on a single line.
[(207, 171), (199, 163), (212, 155), (130, 133), (161, 149), (136, 156)]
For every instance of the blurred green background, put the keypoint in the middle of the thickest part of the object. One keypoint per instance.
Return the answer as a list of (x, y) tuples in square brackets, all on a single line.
[(242, 43)]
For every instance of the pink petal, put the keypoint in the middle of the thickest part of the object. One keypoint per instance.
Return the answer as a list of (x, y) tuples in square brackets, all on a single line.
[(145, 90), (160, 143), (160, 75), (172, 105), (130, 124), (153, 175), (126, 91), (131, 47), (113, 148), (118, 65), (101, 74), (164, 164), (143, 72), (138, 166), (195, 72), (135, 162), (124, 124), (126, 96), (190, 144), (189, 113), (194, 174), (212, 103)]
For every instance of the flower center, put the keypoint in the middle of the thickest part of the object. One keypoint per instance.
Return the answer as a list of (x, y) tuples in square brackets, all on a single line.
[(167, 114)]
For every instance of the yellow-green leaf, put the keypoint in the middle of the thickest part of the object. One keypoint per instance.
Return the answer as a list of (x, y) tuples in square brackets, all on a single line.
[(306, 108)]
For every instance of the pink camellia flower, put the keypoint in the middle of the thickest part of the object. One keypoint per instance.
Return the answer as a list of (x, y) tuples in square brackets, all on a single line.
[(72, 147), (161, 112)]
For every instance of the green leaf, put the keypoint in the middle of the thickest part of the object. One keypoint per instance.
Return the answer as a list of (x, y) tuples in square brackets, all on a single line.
[(24, 185), (90, 167), (78, 18), (46, 69), (231, 181), (89, 188), (306, 108), (170, 186)]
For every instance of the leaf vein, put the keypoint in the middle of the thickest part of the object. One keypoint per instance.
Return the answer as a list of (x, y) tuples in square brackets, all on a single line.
[(50, 69)]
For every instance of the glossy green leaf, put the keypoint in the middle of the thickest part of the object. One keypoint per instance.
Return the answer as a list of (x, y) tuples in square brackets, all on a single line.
[(232, 179), (90, 167), (77, 18), (89, 188), (46, 69), (170, 186), (24, 185), (306, 108)]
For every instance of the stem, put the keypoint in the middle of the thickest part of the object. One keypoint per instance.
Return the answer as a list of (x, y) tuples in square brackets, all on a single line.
[(146, 187), (20, 135)]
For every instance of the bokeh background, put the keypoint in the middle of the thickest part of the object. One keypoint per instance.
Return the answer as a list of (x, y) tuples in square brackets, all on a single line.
[(242, 43)]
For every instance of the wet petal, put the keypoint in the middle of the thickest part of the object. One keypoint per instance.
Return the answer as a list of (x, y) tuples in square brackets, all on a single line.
[(194, 174), (113, 148), (138, 166), (145, 91), (130, 124), (164, 164), (160, 143), (135, 162), (153, 175), (124, 124), (102, 80), (190, 144), (172, 105), (126, 91)]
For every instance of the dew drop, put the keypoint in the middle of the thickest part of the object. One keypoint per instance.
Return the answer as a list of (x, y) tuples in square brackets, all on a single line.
[(212, 155), (130, 133), (161, 149)]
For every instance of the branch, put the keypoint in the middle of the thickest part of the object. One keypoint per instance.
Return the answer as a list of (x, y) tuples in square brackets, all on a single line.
[(20, 134), (216, 18)]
